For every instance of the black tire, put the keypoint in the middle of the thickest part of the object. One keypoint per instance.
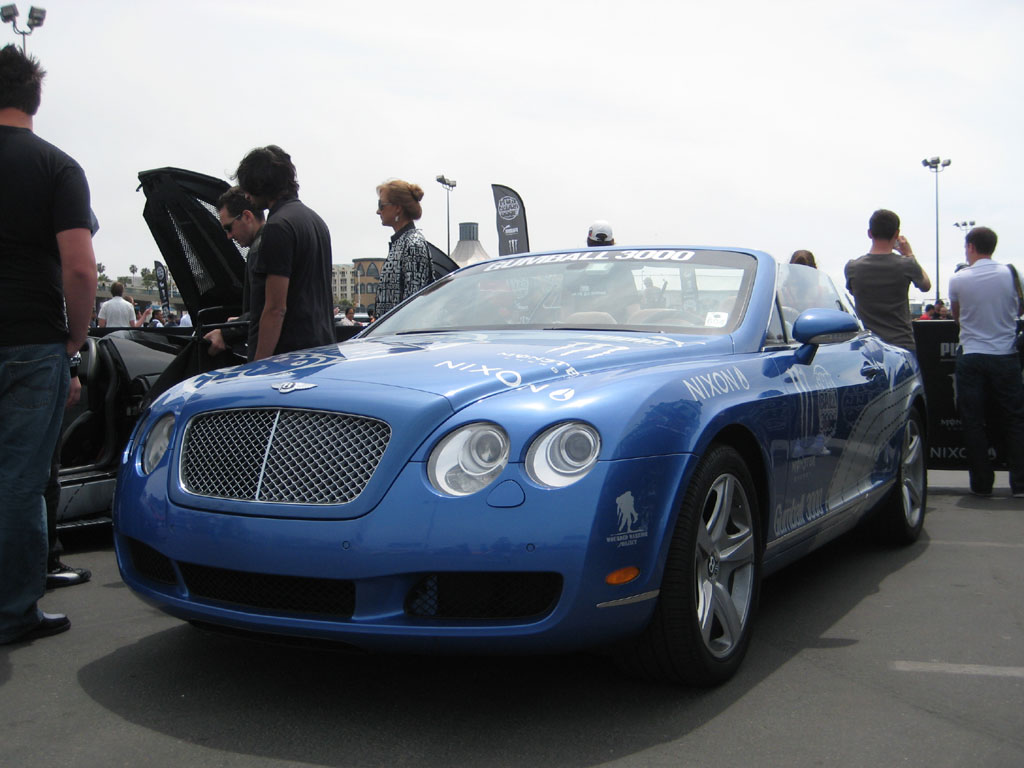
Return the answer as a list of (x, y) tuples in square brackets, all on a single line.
[(901, 517), (705, 612)]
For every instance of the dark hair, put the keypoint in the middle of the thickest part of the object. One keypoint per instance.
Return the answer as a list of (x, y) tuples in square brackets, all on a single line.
[(116, 289), (883, 225), (21, 80), (237, 203), (803, 257), (268, 172), (405, 195), (929, 307), (983, 239)]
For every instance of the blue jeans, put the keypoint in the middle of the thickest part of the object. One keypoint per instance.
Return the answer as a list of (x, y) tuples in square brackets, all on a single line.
[(992, 385), (33, 387)]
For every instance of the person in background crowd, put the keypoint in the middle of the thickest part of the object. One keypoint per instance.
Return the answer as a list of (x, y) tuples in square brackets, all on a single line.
[(600, 234), (880, 281), (941, 311), (803, 257), (408, 267), (349, 318), (929, 312), (117, 312), (290, 278), (156, 317), (985, 299), (185, 321), (242, 222), (47, 292)]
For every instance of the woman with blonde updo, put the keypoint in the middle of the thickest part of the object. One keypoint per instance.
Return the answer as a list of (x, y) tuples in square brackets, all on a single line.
[(408, 267)]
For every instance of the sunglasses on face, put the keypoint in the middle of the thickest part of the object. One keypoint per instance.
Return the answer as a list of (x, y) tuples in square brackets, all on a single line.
[(228, 227)]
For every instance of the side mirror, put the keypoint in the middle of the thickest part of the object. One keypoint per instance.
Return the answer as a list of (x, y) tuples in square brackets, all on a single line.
[(822, 326)]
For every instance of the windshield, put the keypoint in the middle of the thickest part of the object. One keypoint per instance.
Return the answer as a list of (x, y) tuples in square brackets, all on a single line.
[(675, 291)]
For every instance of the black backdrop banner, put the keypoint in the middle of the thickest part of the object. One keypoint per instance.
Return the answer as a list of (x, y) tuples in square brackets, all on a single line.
[(511, 221), (937, 341)]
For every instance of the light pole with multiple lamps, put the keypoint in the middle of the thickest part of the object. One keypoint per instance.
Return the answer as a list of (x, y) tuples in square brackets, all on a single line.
[(936, 165), (448, 185), (36, 17), (965, 227)]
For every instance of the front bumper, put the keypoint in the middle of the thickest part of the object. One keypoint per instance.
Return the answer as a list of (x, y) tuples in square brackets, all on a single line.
[(407, 575)]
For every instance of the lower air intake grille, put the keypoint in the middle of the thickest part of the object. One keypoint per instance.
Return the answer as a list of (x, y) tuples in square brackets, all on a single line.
[(151, 564), (484, 595), (281, 455), (293, 594)]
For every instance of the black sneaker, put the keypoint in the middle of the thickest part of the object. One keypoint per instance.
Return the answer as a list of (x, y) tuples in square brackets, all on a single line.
[(66, 576)]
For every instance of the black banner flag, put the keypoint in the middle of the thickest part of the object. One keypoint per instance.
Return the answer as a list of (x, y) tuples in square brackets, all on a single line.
[(511, 220), (161, 283)]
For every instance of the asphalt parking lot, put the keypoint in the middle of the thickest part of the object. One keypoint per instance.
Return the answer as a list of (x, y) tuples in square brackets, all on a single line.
[(863, 656)]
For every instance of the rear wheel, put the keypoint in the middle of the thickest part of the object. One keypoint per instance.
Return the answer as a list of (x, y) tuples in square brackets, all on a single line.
[(702, 623), (902, 514)]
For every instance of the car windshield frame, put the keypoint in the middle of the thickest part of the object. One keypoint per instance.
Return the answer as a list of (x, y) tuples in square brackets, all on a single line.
[(664, 290)]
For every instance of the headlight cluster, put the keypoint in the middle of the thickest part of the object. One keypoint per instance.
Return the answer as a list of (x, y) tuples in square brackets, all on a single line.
[(468, 459), (157, 442), (471, 458), (563, 454)]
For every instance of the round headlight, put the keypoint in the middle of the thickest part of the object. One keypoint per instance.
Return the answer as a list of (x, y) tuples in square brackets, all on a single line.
[(563, 454), (468, 459), (157, 442)]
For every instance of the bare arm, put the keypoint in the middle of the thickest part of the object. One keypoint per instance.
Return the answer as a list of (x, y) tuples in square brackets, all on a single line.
[(903, 246), (78, 265), (275, 305)]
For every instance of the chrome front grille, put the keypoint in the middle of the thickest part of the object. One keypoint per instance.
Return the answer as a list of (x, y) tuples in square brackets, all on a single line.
[(281, 455)]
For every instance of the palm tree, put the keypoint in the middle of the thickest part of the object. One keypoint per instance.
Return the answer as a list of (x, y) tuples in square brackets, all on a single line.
[(100, 268), (133, 269)]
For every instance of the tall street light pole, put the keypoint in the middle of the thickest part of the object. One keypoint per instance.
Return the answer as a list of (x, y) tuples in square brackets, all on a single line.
[(936, 165), (36, 17), (448, 185)]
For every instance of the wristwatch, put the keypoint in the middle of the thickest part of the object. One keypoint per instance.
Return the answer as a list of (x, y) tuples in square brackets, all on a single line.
[(75, 361)]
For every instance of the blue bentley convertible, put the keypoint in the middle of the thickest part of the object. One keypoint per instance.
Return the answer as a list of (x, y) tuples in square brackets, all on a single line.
[(533, 454)]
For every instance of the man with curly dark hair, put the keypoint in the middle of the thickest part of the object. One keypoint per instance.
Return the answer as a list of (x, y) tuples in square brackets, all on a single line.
[(290, 279)]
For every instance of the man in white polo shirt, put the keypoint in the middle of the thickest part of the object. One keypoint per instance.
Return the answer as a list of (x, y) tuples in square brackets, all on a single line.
[(117, 312), (985, 300)]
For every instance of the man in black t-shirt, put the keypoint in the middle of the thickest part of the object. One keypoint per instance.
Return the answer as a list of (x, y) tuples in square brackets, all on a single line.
[(46, 262), (290, 286)]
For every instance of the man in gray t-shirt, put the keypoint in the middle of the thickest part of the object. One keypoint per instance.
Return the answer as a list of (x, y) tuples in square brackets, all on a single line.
[(879, 281)]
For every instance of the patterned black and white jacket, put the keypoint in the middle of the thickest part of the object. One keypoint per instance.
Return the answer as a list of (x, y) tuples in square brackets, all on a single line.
[(407, 269)]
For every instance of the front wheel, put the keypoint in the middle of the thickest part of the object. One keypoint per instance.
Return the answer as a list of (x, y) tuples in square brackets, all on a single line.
[(702, 623)]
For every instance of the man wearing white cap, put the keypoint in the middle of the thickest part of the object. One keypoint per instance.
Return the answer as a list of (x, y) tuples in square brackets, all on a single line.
[(600, 234)]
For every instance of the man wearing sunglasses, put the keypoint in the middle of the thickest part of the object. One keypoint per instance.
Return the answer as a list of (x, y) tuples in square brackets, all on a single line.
[(242, 222)]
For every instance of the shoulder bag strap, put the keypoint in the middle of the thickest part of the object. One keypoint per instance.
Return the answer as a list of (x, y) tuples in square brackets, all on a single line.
[(1020, 294)]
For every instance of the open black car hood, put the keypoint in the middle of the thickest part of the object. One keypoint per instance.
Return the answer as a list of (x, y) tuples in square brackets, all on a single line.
[(207, 267)]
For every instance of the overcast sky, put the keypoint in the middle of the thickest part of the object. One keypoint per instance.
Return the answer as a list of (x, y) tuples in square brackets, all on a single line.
[(775, 126)]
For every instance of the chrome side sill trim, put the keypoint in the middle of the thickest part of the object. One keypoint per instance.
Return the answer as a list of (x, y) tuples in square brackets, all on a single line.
[(630, 600)]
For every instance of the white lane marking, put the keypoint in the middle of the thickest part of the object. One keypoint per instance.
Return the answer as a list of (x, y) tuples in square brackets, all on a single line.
[(997, 544), (957, 669)]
